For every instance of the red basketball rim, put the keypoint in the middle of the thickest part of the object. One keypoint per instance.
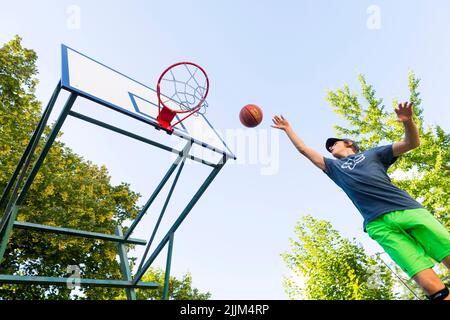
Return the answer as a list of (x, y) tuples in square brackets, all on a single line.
[(158, 88)]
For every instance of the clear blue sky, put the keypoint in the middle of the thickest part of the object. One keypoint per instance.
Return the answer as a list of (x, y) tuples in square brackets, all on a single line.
[(281, 55)]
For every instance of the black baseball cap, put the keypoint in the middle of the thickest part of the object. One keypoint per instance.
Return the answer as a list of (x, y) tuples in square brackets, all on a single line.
[(331, 141)]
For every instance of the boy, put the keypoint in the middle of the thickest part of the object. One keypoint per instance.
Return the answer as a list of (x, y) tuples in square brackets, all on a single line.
[(407, 231)]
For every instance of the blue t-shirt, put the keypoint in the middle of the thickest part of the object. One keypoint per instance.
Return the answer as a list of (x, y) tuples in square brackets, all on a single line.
[(363, 177)]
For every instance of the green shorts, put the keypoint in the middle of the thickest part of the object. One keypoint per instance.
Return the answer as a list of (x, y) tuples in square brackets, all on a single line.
[(412, 238)]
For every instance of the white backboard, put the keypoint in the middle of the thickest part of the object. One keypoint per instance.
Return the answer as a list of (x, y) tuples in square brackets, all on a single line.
[(100, 83)]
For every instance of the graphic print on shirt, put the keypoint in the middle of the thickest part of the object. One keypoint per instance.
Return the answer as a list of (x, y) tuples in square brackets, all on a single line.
[(351, 163)]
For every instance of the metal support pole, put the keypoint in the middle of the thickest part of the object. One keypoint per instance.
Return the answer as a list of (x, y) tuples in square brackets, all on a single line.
[(163, 210), (48, 144), (31, 147), (14, 204), (124, 265), (76, 233), (137, 137), (180, 219), (7, 232), (168, 264), (55, 281), (31, 144), (157, 190), (397, 276)]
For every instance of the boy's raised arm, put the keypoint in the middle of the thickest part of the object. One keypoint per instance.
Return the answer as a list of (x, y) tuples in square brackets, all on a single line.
[(279, 122)]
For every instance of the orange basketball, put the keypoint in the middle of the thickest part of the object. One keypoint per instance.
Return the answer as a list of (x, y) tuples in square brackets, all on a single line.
[(251, 115)]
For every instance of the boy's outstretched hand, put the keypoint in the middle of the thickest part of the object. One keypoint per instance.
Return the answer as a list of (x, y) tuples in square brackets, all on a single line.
[(280, 123), (404, 112)]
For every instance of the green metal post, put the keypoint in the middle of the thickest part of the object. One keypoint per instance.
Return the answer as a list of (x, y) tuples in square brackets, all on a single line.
[(124, 265), (7, 232), (51, 138), (168, 264), (14, 204), (32, 144), (157, 190), (163, 210), (55, 281), (180, 219), (137, 137), (76, 233)]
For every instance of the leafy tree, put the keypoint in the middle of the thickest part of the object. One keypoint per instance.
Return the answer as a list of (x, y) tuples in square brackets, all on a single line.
[(67, 192), (332, 267)]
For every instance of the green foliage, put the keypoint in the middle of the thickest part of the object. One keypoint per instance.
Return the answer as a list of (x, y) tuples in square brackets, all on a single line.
[(67, 192), (178, 289), (332, 267), (19, 108)]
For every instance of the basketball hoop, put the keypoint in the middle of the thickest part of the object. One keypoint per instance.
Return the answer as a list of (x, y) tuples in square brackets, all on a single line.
[(182, 89)]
